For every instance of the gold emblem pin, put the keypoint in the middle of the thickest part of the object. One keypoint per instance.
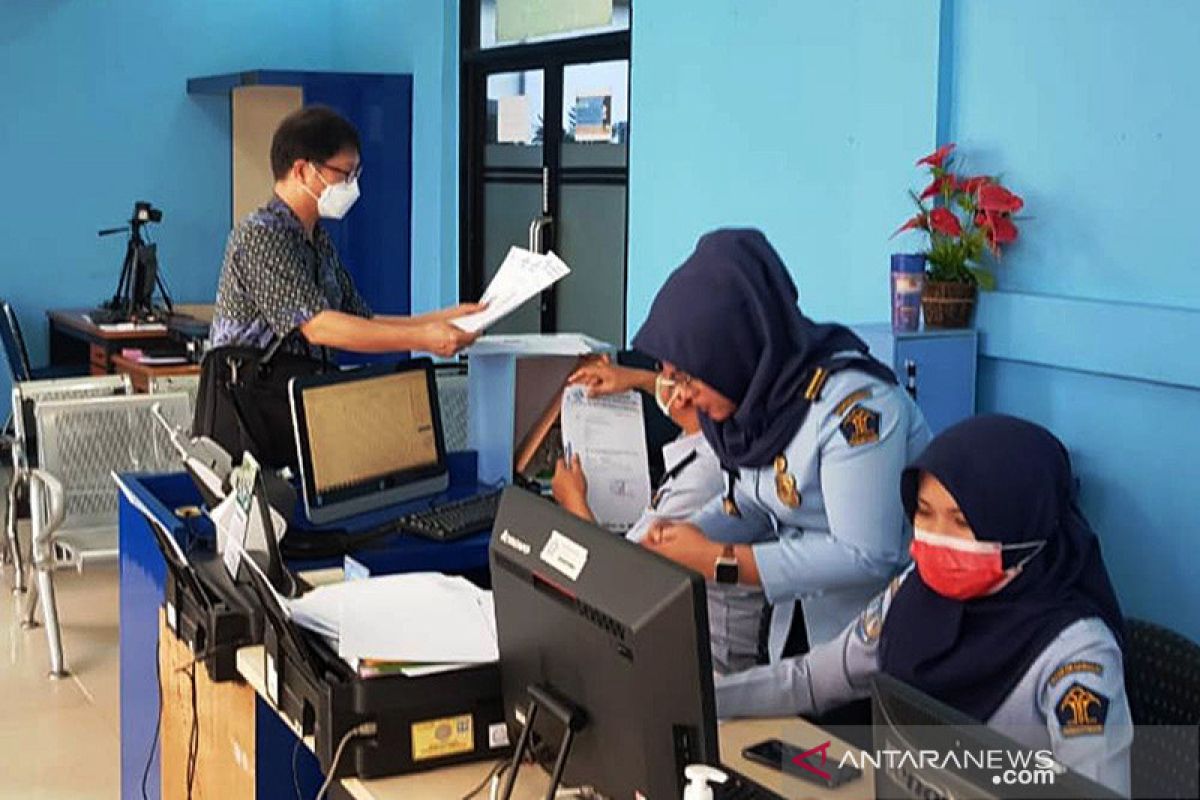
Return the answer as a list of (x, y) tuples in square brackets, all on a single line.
[(785, 488), (780, 464), (731, 508)]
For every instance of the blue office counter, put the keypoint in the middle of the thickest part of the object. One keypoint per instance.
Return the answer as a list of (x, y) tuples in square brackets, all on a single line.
[(142, 577), (943, 364)]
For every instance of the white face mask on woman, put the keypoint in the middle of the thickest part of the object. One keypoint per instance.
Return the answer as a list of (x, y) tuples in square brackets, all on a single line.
[(336, 198)]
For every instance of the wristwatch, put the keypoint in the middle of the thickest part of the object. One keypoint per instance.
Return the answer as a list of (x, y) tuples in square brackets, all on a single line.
[(726, 570)]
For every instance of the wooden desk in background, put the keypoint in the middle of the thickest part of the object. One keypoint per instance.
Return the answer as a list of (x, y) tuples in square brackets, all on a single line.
[(75, 339), (141, 373)]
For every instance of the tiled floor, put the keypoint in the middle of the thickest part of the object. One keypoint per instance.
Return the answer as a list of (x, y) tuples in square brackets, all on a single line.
[(60, 740)]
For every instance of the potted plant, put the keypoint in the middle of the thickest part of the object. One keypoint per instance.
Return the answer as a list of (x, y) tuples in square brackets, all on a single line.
[(967, 218)]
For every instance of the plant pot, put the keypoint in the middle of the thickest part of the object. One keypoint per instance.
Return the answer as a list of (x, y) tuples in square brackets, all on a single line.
[(948, 304)]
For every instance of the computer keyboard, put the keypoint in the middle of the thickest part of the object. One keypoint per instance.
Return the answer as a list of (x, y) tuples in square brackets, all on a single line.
[(739, 787), (454, 520)]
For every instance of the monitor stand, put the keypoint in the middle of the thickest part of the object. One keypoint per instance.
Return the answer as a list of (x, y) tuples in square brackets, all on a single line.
[(573, 719)]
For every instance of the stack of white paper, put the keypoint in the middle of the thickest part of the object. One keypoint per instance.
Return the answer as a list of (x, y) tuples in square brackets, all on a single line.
[(422, 617), (522, 276), (609, 435)]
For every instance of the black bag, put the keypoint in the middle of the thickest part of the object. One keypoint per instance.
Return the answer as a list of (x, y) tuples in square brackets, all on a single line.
[(242, 401)]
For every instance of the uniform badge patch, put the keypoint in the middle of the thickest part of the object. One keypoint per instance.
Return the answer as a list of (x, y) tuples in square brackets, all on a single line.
[(870, 622), (850, 399), (861, 426), (1076, 668), (1081, 711)]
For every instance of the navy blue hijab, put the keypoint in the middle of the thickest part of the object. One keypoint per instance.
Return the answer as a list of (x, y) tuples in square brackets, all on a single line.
[(1013, 482), (728, 316)]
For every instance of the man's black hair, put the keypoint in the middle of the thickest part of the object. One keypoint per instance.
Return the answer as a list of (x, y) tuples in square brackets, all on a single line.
[(314, 133)]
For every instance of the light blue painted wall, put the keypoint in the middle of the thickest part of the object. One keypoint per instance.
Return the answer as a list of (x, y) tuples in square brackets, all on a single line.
[(97, 116), (1089, 109), (801, 118)]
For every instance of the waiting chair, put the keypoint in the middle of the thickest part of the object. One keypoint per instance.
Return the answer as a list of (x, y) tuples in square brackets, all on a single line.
[(1162, 682), (73, 499), (23, 445), (17, 354), (167, 384)]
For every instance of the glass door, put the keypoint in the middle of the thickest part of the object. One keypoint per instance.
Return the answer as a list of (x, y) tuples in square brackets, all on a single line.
[(544, 166)]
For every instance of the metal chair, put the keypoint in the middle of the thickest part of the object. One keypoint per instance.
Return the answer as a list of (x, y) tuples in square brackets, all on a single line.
[(23, 445), (1162, 682), (73, 500), (17, 354), (166, 384)]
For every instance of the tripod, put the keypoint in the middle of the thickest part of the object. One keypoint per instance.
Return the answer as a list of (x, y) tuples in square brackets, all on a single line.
[(134, 296)]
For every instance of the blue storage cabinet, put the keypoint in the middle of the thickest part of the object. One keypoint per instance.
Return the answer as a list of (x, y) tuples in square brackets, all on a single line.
[(944, 364)]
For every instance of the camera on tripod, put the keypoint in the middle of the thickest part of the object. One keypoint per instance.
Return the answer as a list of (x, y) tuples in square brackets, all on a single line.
[(133, 300)]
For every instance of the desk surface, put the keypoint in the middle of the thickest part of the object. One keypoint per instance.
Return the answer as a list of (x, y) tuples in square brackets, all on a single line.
[(76, 319), (457, 781)]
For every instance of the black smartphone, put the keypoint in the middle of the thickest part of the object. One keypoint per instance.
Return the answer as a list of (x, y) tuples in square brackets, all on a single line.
[(781, 755)]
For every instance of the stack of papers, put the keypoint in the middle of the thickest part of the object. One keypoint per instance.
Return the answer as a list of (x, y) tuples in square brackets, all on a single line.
[(538, 344), (609, 435), (415, 623), (521, 277)]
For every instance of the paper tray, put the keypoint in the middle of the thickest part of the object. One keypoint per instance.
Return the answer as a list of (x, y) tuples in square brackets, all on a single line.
[(227, 619), (423, 722)]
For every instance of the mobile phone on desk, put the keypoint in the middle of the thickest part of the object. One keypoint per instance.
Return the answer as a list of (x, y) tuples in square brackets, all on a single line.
[(785, 757)]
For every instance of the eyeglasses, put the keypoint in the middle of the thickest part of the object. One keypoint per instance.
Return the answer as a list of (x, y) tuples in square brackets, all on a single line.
[(665, 388), (347, 175)]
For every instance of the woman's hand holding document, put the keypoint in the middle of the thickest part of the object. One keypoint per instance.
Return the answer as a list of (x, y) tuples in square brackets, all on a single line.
[(522, 276), (609, 436)]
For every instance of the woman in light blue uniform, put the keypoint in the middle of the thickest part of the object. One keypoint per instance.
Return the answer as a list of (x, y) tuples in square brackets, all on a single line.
[(1008, 616), (812, 433), (691, 479)]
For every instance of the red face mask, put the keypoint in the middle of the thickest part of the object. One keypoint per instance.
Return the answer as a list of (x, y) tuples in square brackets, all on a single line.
[(963, 569)]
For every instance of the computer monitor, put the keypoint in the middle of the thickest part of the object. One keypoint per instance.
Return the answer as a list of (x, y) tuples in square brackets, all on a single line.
[(368, 438), (952, 755), (610, 631)]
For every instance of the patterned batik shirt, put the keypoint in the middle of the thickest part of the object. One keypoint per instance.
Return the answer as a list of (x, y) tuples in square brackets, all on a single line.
[(275, 279)]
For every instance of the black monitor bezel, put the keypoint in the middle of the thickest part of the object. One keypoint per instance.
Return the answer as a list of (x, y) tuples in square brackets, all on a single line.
[(315, 500)]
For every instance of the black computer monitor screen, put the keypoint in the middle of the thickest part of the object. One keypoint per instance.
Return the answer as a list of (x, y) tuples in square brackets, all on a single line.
[(368, 435), (617, 632), (964, 757)]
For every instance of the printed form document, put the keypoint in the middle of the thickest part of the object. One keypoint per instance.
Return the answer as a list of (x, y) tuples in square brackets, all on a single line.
[(521, 277), (609, 434)]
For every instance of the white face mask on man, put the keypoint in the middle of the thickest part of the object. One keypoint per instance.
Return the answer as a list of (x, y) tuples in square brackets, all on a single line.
[(336, 198)]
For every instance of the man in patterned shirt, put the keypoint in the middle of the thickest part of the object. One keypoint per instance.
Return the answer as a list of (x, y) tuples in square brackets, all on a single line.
[(281, 271)]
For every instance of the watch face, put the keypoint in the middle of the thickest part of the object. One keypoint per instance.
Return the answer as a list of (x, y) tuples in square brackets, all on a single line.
[(727, 571)]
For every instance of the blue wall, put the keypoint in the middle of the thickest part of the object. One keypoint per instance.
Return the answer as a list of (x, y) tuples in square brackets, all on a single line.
[(97, 116), (1089, 109), (801, 118), (805, 121), (421, 38)]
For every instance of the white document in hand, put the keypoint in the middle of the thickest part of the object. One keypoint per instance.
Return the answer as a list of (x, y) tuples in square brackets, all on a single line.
[(609, 435), (522, 276)]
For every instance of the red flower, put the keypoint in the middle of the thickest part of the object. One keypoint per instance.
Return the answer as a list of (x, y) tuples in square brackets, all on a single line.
[(1002, 229), (938, 158), (973, 184), (938, 186), (919, 222), (994, 197), (943, 221)]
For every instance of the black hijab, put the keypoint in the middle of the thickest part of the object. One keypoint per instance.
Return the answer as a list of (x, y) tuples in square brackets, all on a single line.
[(728, 316), (1012, 481)]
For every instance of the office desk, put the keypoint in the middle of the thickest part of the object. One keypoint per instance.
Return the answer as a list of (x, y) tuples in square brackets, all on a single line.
[(456, 781), (75, 339), (141, 374)]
